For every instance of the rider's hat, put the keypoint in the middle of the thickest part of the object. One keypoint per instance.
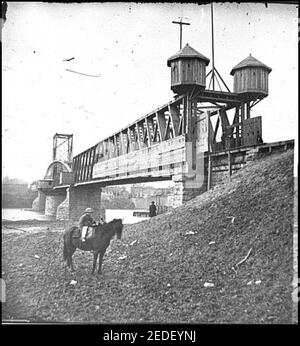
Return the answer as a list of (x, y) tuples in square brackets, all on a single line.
[(89, 210)]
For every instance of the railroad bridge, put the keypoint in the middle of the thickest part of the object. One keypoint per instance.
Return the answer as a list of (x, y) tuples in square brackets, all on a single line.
[(195, 139)]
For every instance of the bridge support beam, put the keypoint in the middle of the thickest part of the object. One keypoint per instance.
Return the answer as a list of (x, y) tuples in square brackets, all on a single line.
[(77, 200), (39, 203)]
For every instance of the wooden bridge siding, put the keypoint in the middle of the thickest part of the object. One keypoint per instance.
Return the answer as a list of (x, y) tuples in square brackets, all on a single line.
[(164, 124), (161, 159), (158, 160), (83, 164), (170, 121)]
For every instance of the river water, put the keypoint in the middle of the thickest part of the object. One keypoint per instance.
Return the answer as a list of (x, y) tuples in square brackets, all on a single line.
[(127, 215), (14, 214)]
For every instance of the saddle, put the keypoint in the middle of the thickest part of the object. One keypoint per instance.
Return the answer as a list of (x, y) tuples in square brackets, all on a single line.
[(90, 234)]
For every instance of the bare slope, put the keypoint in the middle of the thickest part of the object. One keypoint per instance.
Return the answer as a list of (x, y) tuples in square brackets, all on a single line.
[(162, 277), (260, 199)]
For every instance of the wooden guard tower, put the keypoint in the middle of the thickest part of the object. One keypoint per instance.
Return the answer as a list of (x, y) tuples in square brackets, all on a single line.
[(251, 78), (188, 69), (188, 77)]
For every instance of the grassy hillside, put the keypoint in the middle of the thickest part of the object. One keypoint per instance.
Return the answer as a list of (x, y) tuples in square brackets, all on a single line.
[(170, 258)]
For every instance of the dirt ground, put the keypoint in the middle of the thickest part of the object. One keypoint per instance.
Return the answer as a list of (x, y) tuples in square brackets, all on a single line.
[(224, 257)]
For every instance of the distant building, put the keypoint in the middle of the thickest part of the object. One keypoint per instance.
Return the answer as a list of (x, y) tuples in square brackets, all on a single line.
[(115, 191), (146, 191), (142, 196)]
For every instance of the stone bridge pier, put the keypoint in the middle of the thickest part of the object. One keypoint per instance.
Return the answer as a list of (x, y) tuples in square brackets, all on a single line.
[(69, 203), (52, 201), (39, 203), (187, 187), (77, 199), (192, 181)]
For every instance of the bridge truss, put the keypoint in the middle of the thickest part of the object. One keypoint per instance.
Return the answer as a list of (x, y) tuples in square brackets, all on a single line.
[(172, 122)]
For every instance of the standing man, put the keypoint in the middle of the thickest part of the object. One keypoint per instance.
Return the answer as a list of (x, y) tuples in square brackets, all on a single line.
[(152, 209), (85, 222)]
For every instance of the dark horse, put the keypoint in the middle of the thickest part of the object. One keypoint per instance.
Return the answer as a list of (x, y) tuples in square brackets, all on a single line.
[(98, 244)]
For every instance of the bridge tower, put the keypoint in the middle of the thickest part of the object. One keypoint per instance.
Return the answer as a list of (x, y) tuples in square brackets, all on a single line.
[(59, 172), (63, 148), (62, 152)]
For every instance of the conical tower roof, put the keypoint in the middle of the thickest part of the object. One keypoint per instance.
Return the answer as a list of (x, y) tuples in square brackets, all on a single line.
[(250, 61), (188, 52)]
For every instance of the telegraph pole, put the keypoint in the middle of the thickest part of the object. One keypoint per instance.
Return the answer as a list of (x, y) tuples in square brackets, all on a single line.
[(180, 23)]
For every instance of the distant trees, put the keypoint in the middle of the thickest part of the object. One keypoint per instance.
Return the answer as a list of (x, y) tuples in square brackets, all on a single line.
[(17, 181), (17, 193)]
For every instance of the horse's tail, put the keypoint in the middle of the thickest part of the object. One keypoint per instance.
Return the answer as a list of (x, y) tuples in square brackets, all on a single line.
[(68, 241)]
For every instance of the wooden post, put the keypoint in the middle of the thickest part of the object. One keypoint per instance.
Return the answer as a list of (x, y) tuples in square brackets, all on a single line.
[(225, 124), (194, 133), (174, 114), (209, 172), (123, 151), (86, 168), (210, 133), (248, 110), (89, 163), (242, 123), (209, 149), (161, 122), (184, 115), (75, 164), (229, 165), (235, 130), (148, 132), (189, 117), (129, 148)]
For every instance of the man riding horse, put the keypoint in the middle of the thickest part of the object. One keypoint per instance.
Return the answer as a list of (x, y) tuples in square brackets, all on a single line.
[(86, 221)]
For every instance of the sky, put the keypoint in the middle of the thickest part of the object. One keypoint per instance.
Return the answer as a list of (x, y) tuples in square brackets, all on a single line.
[(124, 48)]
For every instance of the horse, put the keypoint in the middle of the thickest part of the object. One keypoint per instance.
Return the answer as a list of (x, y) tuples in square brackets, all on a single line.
[(98, 244)]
